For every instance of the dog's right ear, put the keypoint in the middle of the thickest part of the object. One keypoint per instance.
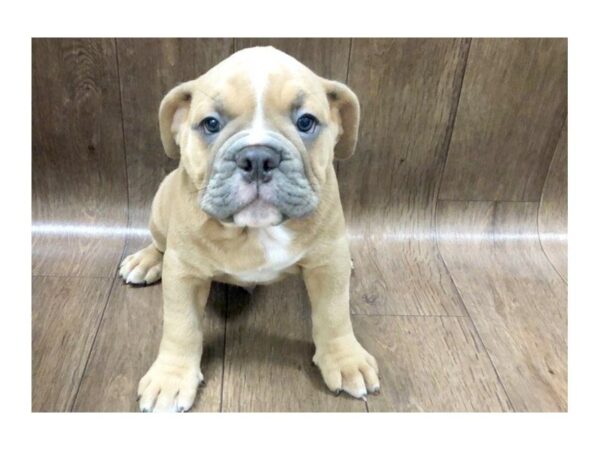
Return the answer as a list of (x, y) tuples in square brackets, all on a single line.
[(173, 116), (346, 112)]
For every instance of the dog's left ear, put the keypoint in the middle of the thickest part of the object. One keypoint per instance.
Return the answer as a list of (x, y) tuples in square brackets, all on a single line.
[(345, 111), (172, 116)]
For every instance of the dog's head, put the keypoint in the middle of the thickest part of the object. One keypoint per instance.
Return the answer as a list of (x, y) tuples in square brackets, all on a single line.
[(257, 133)]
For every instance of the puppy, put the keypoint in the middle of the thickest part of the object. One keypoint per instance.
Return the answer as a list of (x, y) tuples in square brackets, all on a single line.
[(255, 198)]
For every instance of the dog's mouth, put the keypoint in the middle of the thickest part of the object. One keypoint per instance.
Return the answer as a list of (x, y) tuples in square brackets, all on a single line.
[(259, 213), (257, 207)]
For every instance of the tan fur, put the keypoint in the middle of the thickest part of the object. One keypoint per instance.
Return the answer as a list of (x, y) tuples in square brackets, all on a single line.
[(198, 249)]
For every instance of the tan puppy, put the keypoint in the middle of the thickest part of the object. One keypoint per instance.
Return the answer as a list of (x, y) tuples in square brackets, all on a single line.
[(255, 197)]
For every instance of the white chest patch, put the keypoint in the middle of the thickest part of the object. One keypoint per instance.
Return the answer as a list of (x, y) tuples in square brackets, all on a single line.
[(275, 242)]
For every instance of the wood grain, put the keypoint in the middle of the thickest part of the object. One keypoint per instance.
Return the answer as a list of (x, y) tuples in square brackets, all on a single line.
[(78, 175), (66, 313), (268, 357), (513, 102), (430, 364), (515, 298), (553, 211), (408, 90), (127, 344)]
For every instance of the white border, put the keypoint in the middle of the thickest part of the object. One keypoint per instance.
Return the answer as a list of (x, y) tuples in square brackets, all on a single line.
[(21, 20)]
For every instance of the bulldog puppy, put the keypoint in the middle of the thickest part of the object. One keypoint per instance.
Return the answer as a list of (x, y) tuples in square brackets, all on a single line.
[(255, 198)]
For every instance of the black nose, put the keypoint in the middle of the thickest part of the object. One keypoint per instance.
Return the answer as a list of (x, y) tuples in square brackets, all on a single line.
[(258, 163)]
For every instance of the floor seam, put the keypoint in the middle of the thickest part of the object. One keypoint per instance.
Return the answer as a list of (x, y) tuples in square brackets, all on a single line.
[(540, 205), (539, 240), (89, 355), (447, 143), (93, 277), (424, 316), (455, 200)]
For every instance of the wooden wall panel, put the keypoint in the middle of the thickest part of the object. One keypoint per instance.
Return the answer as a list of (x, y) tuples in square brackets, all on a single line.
[(552, 214), (148, 69), (517, 301), (78, 175), (408, 90), (513, 102)]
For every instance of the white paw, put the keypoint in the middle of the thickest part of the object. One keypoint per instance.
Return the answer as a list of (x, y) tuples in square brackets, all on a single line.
[(169, 387), (347, 366), (143, 267)]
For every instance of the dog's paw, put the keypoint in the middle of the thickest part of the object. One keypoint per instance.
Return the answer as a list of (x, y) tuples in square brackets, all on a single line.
[(143, 267), (347, 366), (169, 387)]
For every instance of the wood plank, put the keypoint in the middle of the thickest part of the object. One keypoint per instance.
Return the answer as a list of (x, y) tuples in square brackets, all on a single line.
[(514, 296), (149, 68), (513, 102), (430, 364), (408, 89), (66, 314), (400, 276), (326, 57), (127, 344), (268, 357), (553, 211), (79, 192)]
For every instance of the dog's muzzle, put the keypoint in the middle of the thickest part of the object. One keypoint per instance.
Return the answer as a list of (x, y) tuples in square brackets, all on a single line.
[(258, 182)]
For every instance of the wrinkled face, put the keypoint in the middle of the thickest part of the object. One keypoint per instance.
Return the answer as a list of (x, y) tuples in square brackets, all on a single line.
[(257, 135)]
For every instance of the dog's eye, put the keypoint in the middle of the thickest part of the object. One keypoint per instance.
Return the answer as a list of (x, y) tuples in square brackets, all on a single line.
[(210, 125), (307, 123)]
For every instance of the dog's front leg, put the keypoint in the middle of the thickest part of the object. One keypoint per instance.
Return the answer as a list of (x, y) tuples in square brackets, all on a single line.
[(344, 363), (172, 381)]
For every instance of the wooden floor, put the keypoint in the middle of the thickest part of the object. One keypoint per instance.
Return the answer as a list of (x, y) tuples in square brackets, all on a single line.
[(486, 333), (459, 241)]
